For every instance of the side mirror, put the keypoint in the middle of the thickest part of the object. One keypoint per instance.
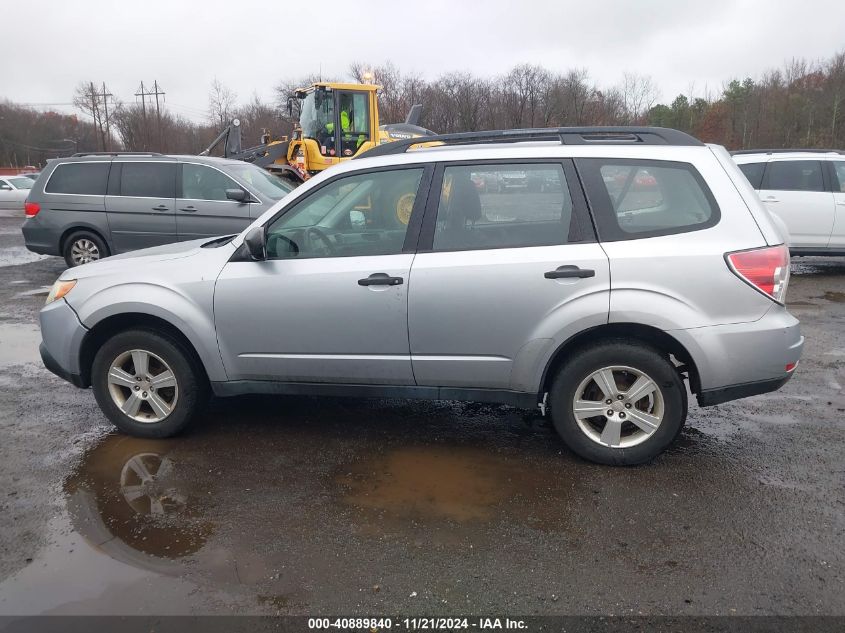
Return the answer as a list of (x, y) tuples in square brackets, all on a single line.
[(236, 194), (255, 243)]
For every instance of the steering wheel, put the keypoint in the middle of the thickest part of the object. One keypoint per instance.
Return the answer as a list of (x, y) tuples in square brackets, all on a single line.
[(313, 235)]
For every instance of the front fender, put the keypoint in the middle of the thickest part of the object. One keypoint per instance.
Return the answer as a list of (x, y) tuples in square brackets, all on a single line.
[(191, 314)]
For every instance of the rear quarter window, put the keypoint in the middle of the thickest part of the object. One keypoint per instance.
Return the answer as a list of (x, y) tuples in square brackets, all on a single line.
[(79, 178), (646, 198)]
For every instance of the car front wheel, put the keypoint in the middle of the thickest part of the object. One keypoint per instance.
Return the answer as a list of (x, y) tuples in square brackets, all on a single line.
[(147, 383), (618, 403)]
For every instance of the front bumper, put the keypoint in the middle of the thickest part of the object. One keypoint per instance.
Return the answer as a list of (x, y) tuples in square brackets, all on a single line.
[(51, 364), (62, 334)]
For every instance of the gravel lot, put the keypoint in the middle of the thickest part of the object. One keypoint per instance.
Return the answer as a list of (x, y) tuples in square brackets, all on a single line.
[(308, 506)]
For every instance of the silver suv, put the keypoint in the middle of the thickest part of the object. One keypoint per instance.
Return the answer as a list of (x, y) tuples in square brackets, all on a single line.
[(93, 205), (645, 261)]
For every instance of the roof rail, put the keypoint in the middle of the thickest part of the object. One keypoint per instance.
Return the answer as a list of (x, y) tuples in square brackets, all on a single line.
[(622, 135), (116, 154), (740, 152)]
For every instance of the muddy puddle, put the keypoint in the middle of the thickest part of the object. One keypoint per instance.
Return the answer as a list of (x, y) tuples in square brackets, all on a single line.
[(458, 484)]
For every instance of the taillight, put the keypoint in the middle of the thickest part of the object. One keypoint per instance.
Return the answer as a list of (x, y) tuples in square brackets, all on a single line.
[(31, 209), (766, 269)]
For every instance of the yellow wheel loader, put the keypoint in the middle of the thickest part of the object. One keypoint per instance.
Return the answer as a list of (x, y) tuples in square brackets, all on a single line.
[(337, 122)]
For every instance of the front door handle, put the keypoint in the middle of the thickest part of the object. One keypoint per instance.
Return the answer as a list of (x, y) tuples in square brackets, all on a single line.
[(380, 279), (161, 207), (190, 209), (770, 199), (568, 272)]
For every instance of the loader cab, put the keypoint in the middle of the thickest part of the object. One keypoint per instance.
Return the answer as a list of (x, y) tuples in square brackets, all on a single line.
[(340, 119)]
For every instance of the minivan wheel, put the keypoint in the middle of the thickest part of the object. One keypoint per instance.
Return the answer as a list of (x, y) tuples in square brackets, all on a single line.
[(84, 247), (618, 403), (147, 383)]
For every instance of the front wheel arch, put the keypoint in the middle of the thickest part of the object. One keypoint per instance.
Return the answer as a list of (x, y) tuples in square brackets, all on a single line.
[(113, 325)]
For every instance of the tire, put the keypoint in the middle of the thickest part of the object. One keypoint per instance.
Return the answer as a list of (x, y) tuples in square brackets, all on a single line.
[(82, 247), (162, 410), (640, 439)]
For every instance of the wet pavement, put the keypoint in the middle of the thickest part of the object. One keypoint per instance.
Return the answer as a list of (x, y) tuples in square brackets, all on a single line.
[(320, 505)]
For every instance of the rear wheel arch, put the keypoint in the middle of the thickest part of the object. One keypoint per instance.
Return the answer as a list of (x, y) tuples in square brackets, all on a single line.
[(651, 336), (110, 326)]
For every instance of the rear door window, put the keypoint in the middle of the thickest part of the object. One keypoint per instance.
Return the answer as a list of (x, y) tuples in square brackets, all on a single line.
[(645, 198), (504, 206), (839, 170), (148, 180), (754, 173), (79, 178), (794, 175)]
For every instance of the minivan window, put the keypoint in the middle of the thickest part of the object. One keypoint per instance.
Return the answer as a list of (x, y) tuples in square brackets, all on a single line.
[(205, 183), (503, 206), (148, 180), (754, 173), (644, 198), (266, 183), (794, 175), (79, 178)]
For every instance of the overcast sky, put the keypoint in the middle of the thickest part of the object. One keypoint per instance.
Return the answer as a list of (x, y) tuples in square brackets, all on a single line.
[(48, 47)]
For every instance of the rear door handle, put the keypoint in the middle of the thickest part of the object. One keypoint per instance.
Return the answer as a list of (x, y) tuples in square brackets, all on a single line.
[(161, 207), (771, 200), (380, 279), (190, 209), (568, 272)]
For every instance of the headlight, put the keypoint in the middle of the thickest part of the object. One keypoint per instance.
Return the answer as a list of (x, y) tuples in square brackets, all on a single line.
[(60, 289)]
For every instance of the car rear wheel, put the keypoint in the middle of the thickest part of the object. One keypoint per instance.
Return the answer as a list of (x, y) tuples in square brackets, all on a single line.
[(84, 247), (147, 383), (618, 403)]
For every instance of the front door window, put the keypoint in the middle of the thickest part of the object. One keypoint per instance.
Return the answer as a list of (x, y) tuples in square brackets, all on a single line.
[(362, 214)]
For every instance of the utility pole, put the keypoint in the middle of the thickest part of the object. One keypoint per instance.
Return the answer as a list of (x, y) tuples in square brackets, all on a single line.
[(105, 95), (143, 94), (157, 92)]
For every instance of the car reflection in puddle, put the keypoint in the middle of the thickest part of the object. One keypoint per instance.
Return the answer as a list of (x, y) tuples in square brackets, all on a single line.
[(127, 499)]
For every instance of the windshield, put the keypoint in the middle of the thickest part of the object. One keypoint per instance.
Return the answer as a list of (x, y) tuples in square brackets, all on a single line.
[(317, 113), (21, 182), (262, 181)]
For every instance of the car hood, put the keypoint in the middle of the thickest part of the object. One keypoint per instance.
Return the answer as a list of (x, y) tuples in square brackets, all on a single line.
[(137, 260)]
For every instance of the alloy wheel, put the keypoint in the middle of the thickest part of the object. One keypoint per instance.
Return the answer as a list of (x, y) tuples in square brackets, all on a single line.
[(143, 386), (618, 406)]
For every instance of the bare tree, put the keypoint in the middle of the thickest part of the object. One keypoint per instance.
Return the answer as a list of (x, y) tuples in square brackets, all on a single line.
[(221, 104)]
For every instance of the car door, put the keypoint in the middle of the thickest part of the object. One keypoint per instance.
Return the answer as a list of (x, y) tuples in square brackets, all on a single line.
[(329, 304), (202, 206), (13, 191), (7, 195), (141, 203), (500, 274), (837, 236), (795, 190)]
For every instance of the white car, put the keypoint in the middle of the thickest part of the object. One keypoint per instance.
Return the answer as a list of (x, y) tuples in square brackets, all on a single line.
[(805, 189), (13, 191)]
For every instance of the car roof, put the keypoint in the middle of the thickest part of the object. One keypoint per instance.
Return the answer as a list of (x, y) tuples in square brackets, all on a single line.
[(144, 157), (528, 150), (766, 155)]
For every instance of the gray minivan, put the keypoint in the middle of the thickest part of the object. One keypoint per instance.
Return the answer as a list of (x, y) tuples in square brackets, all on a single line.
[(94, 205)]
